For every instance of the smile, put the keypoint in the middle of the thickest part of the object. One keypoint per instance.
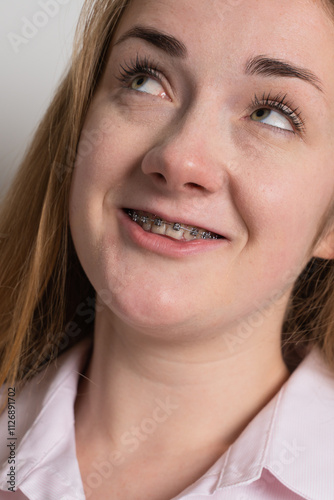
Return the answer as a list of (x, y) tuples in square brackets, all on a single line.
[(176, 230)]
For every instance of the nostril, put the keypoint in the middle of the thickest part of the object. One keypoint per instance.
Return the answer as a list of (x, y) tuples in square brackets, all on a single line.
[(159, 176), (193, 185)]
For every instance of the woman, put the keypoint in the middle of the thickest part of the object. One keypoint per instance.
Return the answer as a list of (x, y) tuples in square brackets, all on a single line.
[(184, 175)]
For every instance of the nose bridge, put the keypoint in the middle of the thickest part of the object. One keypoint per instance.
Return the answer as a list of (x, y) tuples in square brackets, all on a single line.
[(189, 151), (191, 132)]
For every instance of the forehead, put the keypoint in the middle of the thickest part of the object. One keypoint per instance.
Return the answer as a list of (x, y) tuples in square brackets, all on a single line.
[(233, 30)]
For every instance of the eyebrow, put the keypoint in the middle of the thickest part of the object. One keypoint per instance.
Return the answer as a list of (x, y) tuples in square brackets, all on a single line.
[(163, 41), (267, 66), (259, 65)]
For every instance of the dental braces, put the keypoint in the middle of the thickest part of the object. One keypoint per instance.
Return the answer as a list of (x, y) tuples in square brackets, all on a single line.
[(144, 219)]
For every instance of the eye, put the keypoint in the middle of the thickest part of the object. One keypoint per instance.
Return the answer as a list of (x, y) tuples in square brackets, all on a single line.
[(271, 117), (278, 112), (148, 85)]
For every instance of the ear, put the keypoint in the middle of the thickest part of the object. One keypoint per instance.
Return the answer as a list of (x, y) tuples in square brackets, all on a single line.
[(324, 249)]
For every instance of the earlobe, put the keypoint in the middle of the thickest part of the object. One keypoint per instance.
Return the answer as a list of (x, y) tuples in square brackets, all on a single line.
[(325, 247)]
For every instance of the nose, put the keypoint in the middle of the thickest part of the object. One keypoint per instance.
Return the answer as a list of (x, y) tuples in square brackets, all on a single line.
[(188, 156)]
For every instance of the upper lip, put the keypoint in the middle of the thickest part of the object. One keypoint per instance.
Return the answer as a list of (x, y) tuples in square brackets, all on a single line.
[(195, 222)]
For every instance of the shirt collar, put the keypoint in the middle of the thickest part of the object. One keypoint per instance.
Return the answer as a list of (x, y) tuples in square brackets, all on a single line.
[(301, 454), (44, 457), (290, 437)]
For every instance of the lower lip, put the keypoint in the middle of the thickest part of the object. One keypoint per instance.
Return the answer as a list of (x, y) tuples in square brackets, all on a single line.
[(163, 244)]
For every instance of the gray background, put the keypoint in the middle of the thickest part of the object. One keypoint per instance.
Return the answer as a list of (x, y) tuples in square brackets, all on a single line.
[(30, 71)]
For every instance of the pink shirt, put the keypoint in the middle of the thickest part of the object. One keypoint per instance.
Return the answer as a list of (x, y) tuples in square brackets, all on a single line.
[(286, 451)]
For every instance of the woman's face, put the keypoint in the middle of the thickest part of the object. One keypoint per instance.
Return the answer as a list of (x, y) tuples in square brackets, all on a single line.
[(228, 129)]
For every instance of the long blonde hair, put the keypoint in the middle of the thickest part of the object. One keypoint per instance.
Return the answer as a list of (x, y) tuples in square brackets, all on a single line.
[(41, 281), (42, 285)]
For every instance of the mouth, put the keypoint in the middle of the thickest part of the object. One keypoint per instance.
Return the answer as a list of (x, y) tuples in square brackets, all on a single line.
[(176, 230)]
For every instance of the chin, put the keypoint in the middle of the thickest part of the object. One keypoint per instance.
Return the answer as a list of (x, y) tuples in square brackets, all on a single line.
[(150, 309)]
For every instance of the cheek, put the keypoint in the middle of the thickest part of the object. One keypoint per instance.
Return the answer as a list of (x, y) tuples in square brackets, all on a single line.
[(110, 151), (282, 204), (104, 162), (100, 162), (108, 156)]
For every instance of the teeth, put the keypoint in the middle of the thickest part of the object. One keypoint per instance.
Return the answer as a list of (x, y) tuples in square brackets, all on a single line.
[(159, 227), (188, 236), (147, 226), (176, 230), (158, 222)]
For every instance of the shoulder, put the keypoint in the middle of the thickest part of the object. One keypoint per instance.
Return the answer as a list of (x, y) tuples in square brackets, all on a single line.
[(300, 454), (288, 442), (42, 414)]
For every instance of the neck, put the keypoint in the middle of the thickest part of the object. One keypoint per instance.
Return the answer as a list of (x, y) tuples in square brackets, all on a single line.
[(194, 395)]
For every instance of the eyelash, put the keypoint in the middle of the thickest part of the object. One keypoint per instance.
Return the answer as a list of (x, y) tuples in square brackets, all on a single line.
[(144, 66), (137, 68), (280, 103)]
